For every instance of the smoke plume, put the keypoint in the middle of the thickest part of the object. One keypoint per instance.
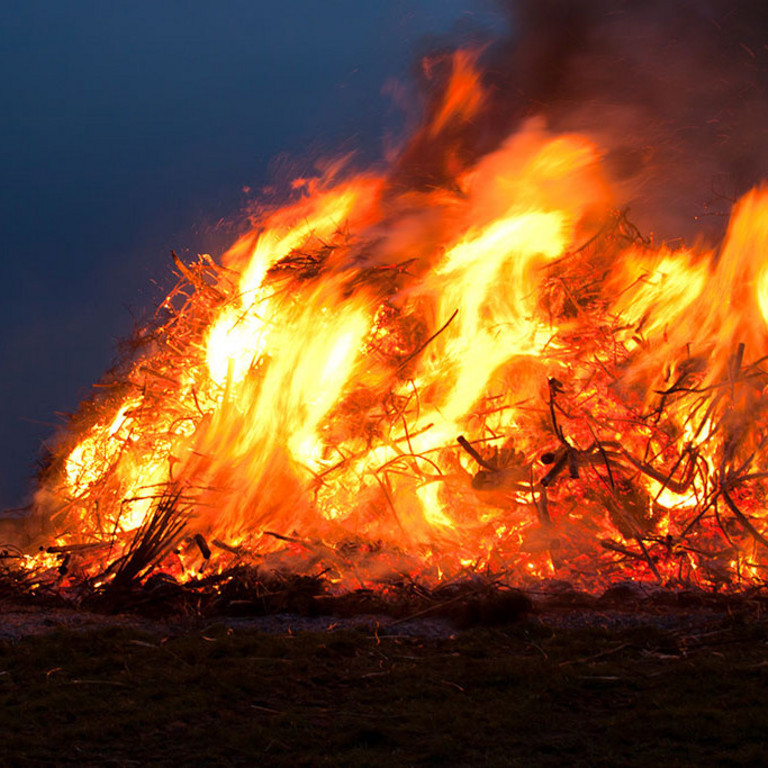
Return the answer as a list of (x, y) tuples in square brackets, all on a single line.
[(673, 90)]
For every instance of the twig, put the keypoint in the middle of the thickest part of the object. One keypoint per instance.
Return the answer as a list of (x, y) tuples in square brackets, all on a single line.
[(559, 465), (741, 517), (467, 446), (418, 351)]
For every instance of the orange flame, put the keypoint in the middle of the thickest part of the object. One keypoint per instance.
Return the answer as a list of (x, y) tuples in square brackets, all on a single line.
[(313, 389)]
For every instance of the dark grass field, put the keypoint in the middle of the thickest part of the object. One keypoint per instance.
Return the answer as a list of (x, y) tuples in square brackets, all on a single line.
[(525, 694)]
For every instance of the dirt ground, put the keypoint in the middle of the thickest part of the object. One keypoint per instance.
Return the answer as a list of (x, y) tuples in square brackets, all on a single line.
[(625, 680)]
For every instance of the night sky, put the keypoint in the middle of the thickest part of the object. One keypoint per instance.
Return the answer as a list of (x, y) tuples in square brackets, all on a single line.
[(130, 127)]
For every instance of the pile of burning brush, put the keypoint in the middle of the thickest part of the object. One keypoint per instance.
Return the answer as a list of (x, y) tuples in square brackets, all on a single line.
[(388, 380)]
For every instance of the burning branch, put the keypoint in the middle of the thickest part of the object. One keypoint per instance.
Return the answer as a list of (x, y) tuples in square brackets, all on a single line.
[(160, 531)]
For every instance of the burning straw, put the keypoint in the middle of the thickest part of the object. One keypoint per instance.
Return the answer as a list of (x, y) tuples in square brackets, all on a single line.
[(499, 375)]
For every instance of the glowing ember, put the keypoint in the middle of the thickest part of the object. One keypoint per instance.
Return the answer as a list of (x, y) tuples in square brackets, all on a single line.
[(496, 373)]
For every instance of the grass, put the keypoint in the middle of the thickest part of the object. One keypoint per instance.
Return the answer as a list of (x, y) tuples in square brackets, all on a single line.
[(523, 694)]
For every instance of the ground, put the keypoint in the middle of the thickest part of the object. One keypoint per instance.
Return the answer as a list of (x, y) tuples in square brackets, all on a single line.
[(633, 686)]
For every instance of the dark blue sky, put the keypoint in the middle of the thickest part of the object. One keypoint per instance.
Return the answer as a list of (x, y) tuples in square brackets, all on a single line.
[(129, 127)]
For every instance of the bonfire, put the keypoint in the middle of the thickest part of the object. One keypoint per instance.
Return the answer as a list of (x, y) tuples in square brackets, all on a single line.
[(497, 374)]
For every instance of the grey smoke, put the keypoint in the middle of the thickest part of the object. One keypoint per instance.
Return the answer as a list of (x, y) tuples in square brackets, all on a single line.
[(675, 91)]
